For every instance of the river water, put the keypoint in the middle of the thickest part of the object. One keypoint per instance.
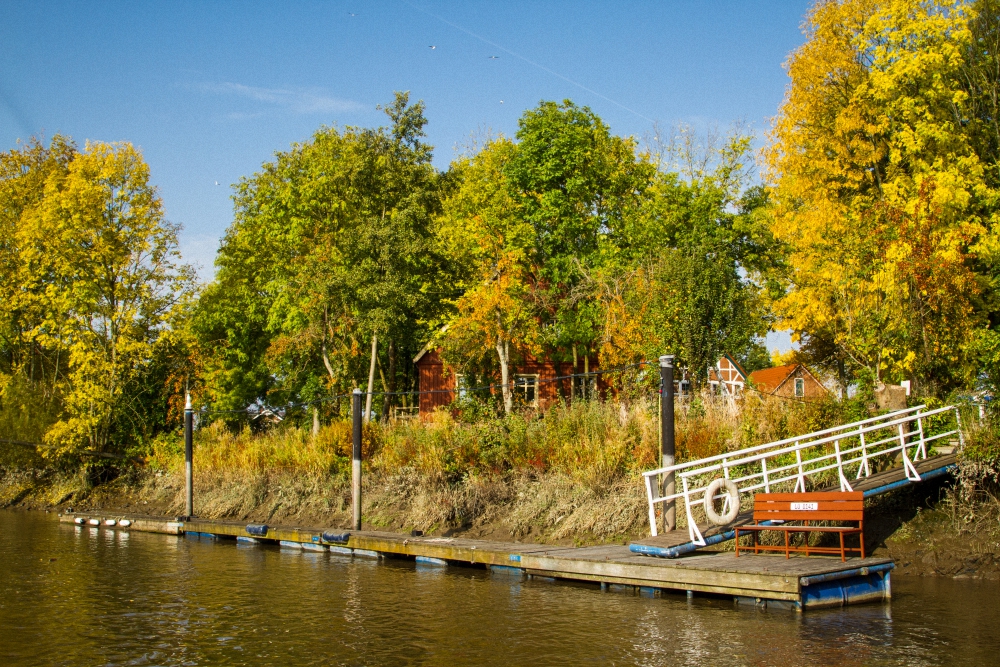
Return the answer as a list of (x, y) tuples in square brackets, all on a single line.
[(83, 596)]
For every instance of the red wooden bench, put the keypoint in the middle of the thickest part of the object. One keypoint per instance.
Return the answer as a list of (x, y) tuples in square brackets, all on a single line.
[(806, 507)]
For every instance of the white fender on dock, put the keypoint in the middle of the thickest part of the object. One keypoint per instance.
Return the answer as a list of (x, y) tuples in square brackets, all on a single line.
[(94, 522), (79, 521), (109, 522), (124, 523)]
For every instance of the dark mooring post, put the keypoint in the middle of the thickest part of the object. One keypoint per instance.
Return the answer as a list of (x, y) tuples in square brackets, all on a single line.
[(356, 415), (667, 438), (189, 456)]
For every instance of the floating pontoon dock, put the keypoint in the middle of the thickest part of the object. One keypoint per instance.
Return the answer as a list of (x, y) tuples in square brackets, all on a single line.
[(759, 580)]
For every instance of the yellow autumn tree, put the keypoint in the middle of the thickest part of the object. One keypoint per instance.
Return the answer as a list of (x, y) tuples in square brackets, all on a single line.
[(878, 193), (483, 232), (101, 268)]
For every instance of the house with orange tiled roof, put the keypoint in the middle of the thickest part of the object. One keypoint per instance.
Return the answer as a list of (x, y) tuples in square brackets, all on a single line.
[(788, 381)]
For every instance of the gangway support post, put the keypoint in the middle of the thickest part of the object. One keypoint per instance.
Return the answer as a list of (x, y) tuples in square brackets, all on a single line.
[(667, 439), (356, 460), (188, 457)]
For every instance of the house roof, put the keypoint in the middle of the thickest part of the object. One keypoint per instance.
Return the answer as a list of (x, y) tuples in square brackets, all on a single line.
[(420, 355), (713, 370), (736, 365), (769, 379), (431, 345)]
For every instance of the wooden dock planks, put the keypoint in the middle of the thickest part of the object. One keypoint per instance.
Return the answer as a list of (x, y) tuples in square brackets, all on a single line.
[(756, 577)]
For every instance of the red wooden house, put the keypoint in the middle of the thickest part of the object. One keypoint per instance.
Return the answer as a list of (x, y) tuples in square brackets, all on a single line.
[(536, 383), (789, 381)]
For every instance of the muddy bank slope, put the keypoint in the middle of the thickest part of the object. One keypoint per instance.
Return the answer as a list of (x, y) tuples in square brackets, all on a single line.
[(929, 530)]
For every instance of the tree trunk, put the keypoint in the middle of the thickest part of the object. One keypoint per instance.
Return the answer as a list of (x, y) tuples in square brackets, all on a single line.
[(326, 362), (503, 351), (385, 387), (575, 380), (390, 400), (371, 378), (315, 421)]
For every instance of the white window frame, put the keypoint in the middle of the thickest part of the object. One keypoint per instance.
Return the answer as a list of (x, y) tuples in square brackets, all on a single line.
[(535, 383), (800, 387), (585, 385), (460, 389)]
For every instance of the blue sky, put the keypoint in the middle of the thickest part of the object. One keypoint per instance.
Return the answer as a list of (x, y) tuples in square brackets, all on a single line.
[(210, 90)]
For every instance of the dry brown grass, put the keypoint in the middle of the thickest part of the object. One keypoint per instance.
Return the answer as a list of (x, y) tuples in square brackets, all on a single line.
[(570, 475)]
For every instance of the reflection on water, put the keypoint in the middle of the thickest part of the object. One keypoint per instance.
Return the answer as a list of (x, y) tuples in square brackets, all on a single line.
[(82, 596)]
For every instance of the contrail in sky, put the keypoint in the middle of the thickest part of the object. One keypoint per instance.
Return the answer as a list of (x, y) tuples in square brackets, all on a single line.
[(16, 113), (527, 60)]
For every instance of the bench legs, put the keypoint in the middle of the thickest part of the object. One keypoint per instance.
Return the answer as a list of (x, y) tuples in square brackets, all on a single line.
[(788, 548)]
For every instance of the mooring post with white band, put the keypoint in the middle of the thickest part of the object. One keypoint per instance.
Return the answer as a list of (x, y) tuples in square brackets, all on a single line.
[(667, 439), (189, 456), (356, 462)]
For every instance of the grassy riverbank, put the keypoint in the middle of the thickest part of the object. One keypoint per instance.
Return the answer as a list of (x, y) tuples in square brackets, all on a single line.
[(570, 475)]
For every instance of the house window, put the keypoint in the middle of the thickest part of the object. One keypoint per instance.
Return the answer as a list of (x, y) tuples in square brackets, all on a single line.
[(800, 387), (526, 389), (585, 385), (462, 384)]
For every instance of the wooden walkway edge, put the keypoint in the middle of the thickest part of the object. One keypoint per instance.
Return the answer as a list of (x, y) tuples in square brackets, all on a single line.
[(758, 580)]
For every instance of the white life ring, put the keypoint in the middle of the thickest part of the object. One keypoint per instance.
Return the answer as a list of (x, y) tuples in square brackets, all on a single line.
[(734, 501)]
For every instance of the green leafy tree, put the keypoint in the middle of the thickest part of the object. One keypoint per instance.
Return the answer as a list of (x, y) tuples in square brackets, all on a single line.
[(576, 184), (691, 267), (331, 248)]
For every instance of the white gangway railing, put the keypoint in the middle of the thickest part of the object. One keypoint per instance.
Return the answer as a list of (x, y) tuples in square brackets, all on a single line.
[(785, 465)]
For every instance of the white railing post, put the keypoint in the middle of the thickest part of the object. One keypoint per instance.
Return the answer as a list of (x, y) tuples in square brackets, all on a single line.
[(908, 468), (800, 484), (693, 532), (921, 447), (958, 427), (763, 467), (844, 485), (652, 506), (864, 456)]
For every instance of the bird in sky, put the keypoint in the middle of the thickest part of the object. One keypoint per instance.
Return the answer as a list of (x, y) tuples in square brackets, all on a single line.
[(216, 182), (351, 14), (501, 101), (433, 47), (494, 57)]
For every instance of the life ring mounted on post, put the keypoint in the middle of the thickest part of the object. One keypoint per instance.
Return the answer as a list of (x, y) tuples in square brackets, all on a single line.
[(732, 498)]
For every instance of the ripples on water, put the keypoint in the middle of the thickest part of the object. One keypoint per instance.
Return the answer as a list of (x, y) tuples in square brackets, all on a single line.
[(83, 596)]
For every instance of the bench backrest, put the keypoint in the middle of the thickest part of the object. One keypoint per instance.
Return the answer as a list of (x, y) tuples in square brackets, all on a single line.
[(815, 506)]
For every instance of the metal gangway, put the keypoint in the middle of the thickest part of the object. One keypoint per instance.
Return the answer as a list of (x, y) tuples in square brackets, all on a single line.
[(854, 451)]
